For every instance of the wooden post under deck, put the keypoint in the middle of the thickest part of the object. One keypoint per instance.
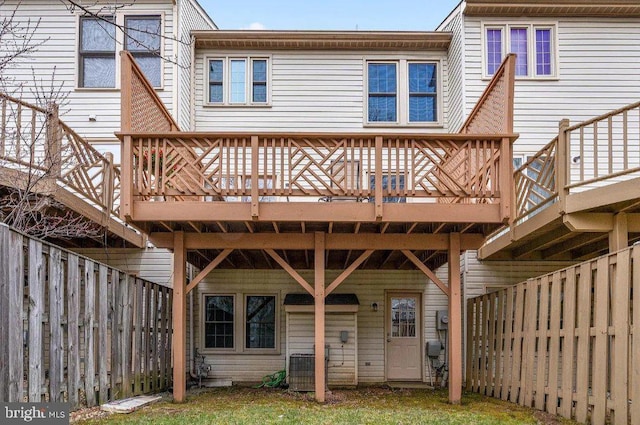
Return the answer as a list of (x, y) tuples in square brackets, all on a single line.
[(319, 315), (179, 317), (455, 322)]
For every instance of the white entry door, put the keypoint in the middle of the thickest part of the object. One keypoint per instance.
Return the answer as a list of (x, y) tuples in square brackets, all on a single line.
[(404, 337)]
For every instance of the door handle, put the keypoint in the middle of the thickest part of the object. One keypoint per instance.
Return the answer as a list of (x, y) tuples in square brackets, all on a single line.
[(388, 339)]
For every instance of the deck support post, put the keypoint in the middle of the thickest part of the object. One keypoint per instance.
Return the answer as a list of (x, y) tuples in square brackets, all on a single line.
[(319, 316), (619, 236), (179, 317), (455, 322)]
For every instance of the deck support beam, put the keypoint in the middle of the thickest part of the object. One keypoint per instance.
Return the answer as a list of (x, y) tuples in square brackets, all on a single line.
[(319, 316), (455, 324), (179, 318), (619, 235)]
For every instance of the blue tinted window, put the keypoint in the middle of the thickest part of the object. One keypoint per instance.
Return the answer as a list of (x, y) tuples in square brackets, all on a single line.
[(389, 182), (382, 87), (259, 88), (422, 92), (215, 81)]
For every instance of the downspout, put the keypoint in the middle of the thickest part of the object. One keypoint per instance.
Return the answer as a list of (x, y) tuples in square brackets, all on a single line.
[(192, 343), (176, 64), (192, 84)]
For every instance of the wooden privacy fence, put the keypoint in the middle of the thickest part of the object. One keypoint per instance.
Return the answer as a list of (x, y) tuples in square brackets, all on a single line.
[(73, 330), (566, 342)]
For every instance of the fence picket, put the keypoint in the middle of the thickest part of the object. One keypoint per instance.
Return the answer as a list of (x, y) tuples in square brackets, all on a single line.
[(543, 326), (103, 319), (583, 358), (4, 308), (554, 343), (568, 342), (620, 305), (114, 307), (137, 323), (515, 392), (600, 352), (15, 340), (73, 323), (497, 383), (36, 314), (529, 343), (507, 358), (56, 349), (469, 347), (491, 361), (89, 320)]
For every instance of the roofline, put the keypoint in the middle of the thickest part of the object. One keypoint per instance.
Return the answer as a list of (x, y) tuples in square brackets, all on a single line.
[(334, 40), (573, 8), (450, 16), (203, 13)]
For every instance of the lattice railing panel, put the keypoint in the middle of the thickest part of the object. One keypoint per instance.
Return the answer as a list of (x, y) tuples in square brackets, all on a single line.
[(228, 166), (494, 111)]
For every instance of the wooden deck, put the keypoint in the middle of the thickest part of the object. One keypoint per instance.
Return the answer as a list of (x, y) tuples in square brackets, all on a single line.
[(316, 201), (40, 154), (578, 197)]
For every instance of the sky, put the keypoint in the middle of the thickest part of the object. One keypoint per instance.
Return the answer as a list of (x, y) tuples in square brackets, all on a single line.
[(397, 15)]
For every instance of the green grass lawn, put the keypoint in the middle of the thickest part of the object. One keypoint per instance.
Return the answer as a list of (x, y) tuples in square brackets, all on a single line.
[(362, 406)]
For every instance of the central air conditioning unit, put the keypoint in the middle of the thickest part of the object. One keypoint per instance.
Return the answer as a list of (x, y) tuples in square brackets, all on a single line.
[(302, 371)]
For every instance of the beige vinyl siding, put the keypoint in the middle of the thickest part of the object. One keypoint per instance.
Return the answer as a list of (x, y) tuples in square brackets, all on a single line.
[(153, 264), (456, 59), (191, 18), (312, 91), (342, 357), (481, 277), (368, 285), (59, 29), (598, 72)]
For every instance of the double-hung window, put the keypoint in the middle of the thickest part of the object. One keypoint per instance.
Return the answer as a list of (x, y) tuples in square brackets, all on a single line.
[(240, 322), (100, 39), (401, 92), (143, 40), (533, 44), (238, 81), (97, 52), (219, 316)]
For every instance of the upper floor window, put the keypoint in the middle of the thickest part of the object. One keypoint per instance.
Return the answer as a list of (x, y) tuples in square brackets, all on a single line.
[(98, 45), (533, 44), (143, 42), (238, 81), (97, 51), (402, 92)]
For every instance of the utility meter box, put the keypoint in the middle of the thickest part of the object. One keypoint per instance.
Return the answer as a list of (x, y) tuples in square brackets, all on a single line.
[(434, 348), (442, 320)]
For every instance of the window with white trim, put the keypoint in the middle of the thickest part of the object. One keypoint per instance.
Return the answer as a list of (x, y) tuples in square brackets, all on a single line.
[(219, 328), (260, 322), (240, 322), (143, 40), (97, 52), (238, 81), (534, 45), (402, 92), (99, 41)]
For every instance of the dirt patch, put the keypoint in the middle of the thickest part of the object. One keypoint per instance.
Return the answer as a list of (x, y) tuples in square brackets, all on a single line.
[(87, 413)]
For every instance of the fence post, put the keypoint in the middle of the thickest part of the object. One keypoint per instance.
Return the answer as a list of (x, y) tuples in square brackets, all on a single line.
[(53, 149), (378, 177), (562, 163)]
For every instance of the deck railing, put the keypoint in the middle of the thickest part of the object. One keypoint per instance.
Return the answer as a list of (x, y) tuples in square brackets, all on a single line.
[(237, 166), (597, 152), (34, 141)]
